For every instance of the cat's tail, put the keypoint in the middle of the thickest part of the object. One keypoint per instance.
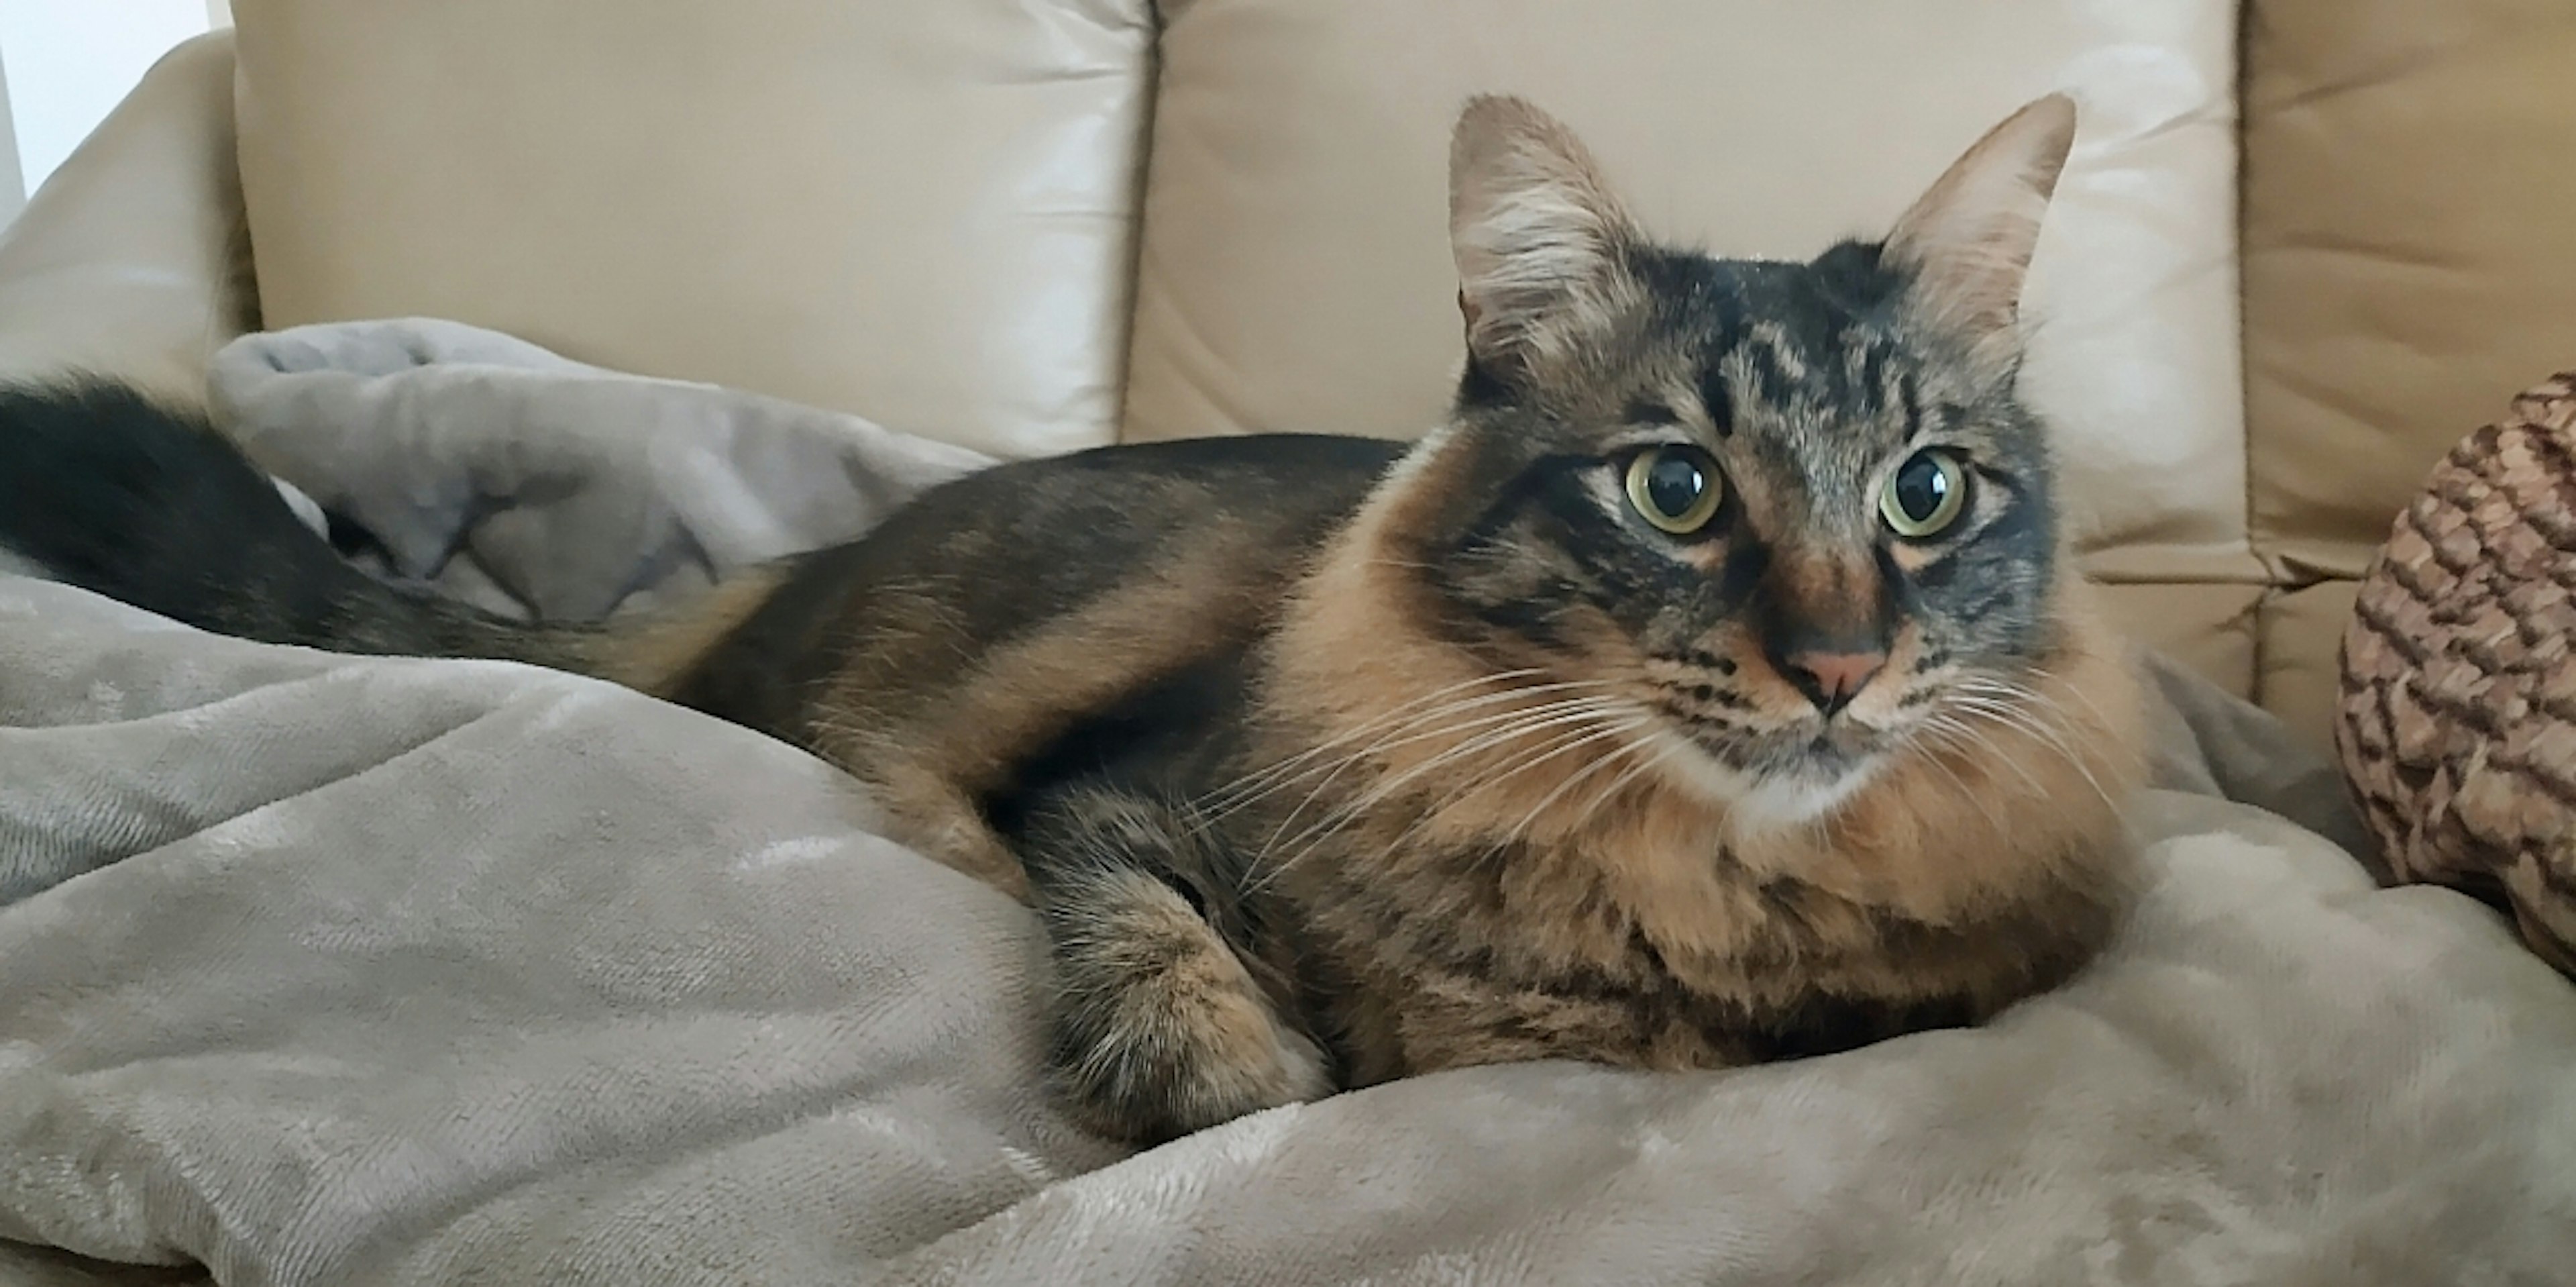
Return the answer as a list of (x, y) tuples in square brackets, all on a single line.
[(102, 488)]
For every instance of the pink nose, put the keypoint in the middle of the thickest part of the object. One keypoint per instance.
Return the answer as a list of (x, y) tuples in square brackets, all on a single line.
[(1832, 679)]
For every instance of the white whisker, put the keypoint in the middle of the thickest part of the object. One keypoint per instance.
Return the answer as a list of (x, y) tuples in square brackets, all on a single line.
[(1368, 727), (1945, 733), (1305, 842), (1521, 828), (1402, 734), (1563, 746), (2031, 714), (1663, 750), (1514, 722)]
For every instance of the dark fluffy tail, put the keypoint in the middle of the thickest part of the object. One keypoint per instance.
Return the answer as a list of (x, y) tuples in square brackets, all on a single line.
[(103, 489)]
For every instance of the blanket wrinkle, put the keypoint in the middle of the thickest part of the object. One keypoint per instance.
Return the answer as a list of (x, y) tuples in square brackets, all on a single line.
[(536, 486), (532, 980), (746, 1109), (137, 815)]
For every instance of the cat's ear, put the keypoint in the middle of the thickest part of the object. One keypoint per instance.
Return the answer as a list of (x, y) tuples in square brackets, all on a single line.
[(1969, 239), (1536, 232)]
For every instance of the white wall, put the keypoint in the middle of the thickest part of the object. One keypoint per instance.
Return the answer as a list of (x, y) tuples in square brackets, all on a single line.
[(66, 62), (13, 189)]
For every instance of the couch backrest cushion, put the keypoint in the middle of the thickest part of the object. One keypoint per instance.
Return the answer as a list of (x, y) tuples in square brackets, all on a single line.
[(921, 213), (2410, 248), (1295, 271), (2410, 266)]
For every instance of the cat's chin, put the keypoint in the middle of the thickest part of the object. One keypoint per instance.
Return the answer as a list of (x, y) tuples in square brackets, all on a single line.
[(1795, 786)]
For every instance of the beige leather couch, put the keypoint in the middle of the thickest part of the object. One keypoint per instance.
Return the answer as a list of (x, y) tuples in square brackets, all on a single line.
[(2304, 244)]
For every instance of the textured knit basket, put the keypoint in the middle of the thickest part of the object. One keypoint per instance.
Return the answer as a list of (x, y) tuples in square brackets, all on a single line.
[(2457, 719)]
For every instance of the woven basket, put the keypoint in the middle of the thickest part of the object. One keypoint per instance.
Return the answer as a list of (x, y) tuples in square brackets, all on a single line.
[(2456, 723)]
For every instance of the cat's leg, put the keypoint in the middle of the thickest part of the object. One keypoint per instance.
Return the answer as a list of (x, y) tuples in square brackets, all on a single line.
[(935, 816), (1159, 1029)]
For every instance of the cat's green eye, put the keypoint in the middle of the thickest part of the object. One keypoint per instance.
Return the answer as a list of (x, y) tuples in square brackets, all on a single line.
[(1925, 494), (1678, 489)]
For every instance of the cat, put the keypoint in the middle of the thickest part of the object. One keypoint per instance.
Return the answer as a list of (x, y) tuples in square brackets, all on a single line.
[(1713, 686)]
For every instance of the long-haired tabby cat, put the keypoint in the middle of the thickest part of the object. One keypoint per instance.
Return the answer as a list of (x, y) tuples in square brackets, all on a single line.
[(1711, 687)]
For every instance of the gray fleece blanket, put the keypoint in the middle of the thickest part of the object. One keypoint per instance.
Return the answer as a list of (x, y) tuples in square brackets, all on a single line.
[(324, 970), (537, 486)]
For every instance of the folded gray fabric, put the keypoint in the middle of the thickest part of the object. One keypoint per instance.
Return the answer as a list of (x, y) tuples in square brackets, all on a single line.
[(534, 485), (387, 971), (2242, 753), (325, 970)]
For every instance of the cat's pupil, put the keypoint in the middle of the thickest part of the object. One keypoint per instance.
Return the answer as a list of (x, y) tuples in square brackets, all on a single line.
[(1921, 486), (1674, 483)]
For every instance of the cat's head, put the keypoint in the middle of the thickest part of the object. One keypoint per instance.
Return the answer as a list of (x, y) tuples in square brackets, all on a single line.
[(1796, 512)]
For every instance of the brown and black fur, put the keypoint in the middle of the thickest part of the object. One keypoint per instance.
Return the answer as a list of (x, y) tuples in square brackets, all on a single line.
[(1326, 760)]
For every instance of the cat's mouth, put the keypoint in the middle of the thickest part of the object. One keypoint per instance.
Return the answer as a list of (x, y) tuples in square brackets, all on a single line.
[(1812, 747), (1820, 758), (1789, 775)]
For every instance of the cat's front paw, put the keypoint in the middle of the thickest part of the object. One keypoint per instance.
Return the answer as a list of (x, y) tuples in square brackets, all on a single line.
[(1150, 1087), (1159, 1028)]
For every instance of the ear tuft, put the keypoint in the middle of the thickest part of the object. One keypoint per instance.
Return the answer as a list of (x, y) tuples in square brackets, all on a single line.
[(1969, 239), (1535, 229)]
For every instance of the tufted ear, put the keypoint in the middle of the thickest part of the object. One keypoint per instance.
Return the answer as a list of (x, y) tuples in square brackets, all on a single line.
[(1536, 233), (1969, 239)]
